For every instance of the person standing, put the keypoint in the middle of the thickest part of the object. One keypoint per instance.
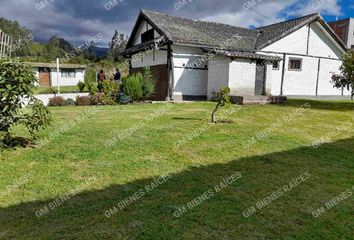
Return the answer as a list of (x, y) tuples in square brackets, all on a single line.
[(101, 78), (117, 76)]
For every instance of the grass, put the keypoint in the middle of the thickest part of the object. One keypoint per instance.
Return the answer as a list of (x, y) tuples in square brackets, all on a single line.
[(179, 140), (51, 90)]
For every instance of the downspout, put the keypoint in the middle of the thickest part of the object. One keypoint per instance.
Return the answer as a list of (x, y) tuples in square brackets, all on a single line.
[(283, 75)]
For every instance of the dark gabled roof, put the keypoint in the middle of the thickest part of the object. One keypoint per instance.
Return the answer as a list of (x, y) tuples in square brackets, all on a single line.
[(185, 31)]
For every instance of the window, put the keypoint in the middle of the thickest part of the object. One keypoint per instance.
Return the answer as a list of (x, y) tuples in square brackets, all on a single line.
[(295, 64), (275, 65), (147, 36), (68, 73)]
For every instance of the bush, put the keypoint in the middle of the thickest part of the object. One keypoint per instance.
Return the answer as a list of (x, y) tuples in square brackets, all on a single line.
[(148, 83), (83, 101), (17, 82), (132, 86), (90, 80), (123, 99), (56, 102), (69, 102), (81, 86), (222, 98)]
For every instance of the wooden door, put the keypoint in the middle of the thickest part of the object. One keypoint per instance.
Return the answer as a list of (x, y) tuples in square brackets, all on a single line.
[(260, 78), (44, 77), (160, 73)]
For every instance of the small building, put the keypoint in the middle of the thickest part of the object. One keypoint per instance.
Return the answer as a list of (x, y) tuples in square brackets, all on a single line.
[(69, 74), (345, 30), (193, 59)]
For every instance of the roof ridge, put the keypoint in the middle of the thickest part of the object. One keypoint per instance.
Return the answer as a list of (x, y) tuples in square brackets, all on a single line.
[(196, 20), (289, 20)]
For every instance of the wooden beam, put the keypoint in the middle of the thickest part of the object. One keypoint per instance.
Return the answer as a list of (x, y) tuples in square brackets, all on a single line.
[(318, 75), (283, 74)]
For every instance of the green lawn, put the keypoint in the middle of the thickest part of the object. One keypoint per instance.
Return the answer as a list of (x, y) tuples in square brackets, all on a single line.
[(111, 156)]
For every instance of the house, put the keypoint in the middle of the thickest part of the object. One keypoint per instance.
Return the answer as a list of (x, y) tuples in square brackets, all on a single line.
[(69, 74), (193, 59), (5, 44), (345, 30)]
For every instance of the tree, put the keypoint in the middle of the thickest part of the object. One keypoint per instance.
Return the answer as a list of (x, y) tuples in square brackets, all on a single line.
[(346, 77), (222, 98), (22, 37), (117, 46), (17, 82)]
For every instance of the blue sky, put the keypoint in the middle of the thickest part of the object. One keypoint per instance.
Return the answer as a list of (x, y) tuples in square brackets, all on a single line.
[(82, 20)]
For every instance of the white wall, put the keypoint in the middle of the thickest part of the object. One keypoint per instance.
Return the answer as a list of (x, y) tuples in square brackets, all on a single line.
[(321, 45), (190, 71), (301, 82), (146, 58), (325, 87), (295, 42), (144, 26), (79, 77), (242, 77), (218, 74)]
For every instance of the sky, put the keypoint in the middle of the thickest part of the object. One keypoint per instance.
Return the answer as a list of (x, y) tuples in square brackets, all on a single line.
[(79, 21)]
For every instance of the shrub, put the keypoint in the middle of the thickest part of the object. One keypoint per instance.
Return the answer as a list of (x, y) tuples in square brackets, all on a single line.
[(223, 98), (90, 80), (148, 83), (56, 102), (123, 99), (69, 102), (132, 86), (17, 82), (83, 101), (81, 86)]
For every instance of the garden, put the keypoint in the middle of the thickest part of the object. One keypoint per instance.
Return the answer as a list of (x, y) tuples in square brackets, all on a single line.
[(165, 171)]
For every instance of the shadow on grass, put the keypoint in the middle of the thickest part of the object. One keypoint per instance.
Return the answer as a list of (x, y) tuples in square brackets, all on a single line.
[(339, 105), (20, 142), (187, 119), (219, 217)]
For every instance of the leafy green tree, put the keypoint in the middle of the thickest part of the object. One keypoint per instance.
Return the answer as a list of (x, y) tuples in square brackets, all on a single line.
[(22, 37), (222, 98), (346, 77), (117, 46), (17, 83)]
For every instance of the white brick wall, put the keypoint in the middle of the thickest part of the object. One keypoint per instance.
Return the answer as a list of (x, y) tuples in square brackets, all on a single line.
[(218, 74), (242, 77), (192, 82)]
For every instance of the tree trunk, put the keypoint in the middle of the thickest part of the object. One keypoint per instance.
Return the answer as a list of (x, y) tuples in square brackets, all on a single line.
[(352, 97), (213, 120)]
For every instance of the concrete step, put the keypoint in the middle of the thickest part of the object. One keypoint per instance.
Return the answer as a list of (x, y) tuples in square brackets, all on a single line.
[(258, 100)]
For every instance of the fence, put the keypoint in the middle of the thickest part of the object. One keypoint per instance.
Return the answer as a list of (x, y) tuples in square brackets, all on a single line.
[(5, 44)]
